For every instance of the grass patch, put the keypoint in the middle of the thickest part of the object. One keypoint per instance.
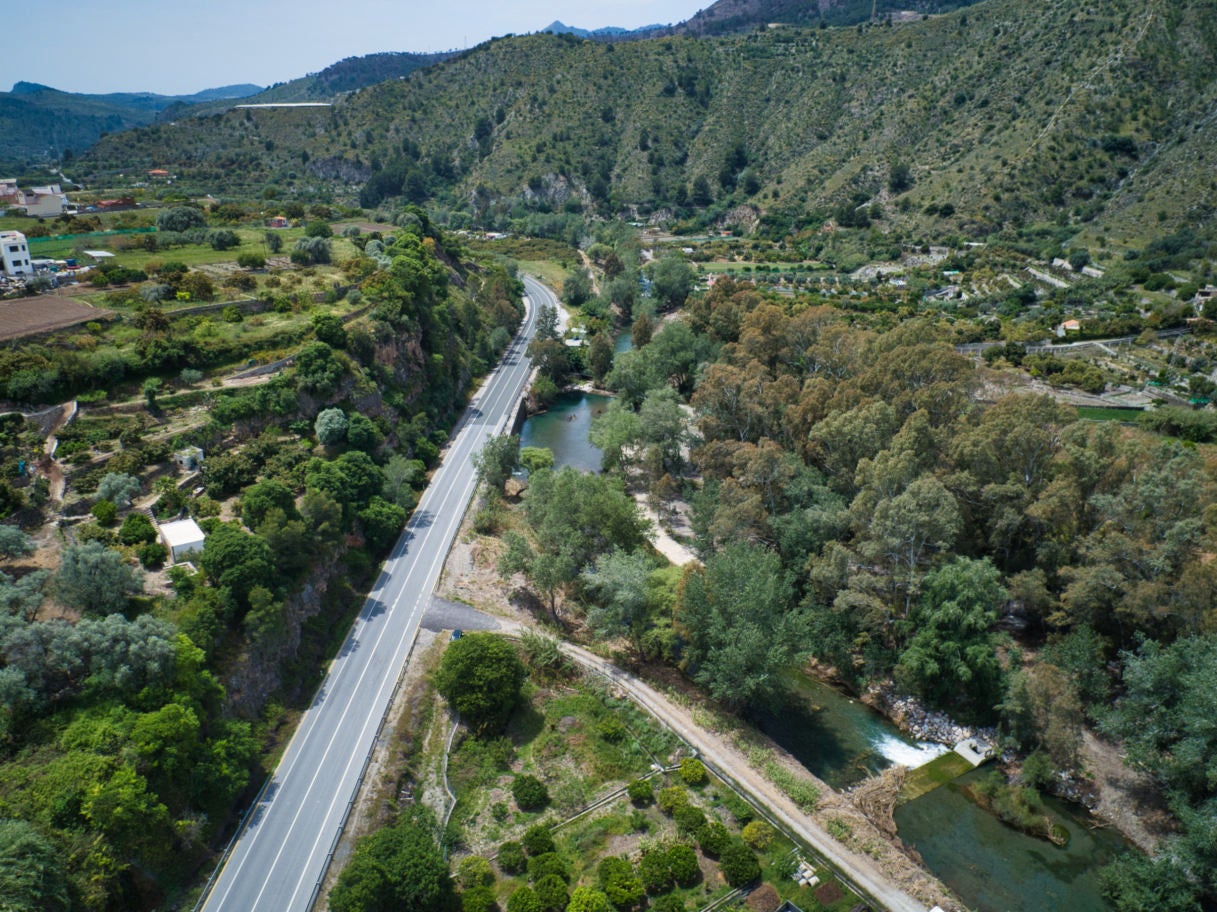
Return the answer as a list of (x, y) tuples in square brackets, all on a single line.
[(575, 738), (930, 776), (1100, 413)]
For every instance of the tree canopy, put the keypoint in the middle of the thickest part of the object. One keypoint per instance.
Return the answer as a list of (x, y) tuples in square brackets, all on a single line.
[(95, 579), (481, 676), (739, 625), (397, 867)]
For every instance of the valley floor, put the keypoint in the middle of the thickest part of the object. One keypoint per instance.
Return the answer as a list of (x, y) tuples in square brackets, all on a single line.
[(875, 861)]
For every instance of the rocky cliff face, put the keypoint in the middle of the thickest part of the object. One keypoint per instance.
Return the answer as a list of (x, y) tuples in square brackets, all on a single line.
[(256, 674)]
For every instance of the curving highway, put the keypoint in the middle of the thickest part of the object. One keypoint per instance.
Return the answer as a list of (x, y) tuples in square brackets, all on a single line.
[(281, 854)]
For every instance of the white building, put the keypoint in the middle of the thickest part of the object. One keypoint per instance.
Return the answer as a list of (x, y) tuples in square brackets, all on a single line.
[(15, 253), (39, 202), (45, 202), (182, 538)]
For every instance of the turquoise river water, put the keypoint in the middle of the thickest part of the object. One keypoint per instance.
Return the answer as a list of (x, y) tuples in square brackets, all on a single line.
[(992, 867)]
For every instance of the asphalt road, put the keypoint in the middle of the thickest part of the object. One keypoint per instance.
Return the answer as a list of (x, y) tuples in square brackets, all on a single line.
[(280, 857)]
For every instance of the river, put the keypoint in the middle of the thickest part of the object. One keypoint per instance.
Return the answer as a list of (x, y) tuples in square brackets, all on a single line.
[(839, 739), (990, 866), (563, 429)]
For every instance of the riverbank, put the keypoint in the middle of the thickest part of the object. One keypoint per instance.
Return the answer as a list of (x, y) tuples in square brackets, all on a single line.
[(1118, 796), (836, 826)]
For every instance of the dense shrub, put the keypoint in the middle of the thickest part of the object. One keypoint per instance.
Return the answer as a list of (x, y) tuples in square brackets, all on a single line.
[(552, 893), (671, 902), (713, 838), (547, 865), (511, 858), (671, 798), (619, 882), (758, 834), (738, 864), (537, 840), (689, 819), (641, 792), (474, 871), (136, 528), (223, 239), (682, 861), (105, 513), (693, 771), (524, 900), (152, 554), (478, 899), (611, 729)]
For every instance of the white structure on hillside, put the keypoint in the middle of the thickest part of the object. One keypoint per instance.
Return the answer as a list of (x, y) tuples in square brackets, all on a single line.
[(45, 202), (182, 538), (15, 253), (39, 202)]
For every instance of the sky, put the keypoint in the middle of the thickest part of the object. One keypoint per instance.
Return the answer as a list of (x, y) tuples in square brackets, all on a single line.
[(185, 46)]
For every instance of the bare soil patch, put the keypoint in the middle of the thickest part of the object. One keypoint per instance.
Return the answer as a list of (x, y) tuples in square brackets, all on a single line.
[(1127, 798), (43, 313)]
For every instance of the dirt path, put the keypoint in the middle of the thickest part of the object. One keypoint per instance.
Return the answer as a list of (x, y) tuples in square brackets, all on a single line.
[(870, 858), (1128, 799), (51, 466), (664, 543)]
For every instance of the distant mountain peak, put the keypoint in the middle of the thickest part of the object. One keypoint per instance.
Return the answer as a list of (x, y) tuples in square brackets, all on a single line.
[(30, 88), (559, 27)]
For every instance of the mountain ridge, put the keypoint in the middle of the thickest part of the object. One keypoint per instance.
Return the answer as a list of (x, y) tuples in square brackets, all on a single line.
[(920, 126), (39, 122)]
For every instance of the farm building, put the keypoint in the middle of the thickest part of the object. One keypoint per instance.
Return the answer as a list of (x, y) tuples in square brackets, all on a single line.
[(183, 538)]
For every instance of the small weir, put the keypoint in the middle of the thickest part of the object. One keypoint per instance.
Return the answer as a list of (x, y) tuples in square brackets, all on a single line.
[(838, 738), (948, 766)]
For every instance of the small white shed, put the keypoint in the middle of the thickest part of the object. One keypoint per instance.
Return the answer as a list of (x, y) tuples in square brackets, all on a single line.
[(182, 538)]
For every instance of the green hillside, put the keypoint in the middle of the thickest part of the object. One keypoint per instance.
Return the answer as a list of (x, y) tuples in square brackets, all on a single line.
[(728, 16), (986, 117), (38, 123)]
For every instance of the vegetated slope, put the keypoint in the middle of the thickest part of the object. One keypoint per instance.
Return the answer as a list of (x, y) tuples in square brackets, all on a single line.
[(728, 16), (969, 121), (120, 750), (38, 122), (344, 76)]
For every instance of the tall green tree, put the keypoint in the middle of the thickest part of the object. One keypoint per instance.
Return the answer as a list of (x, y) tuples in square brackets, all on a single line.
[(619, 583), (480, 676), (95, 579), (497, 459), (599, 356), (673, 278), (1165, 718), (395, 868), (951, 657), (577, 288), (739, 627), (615, 431), (235, 560)]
